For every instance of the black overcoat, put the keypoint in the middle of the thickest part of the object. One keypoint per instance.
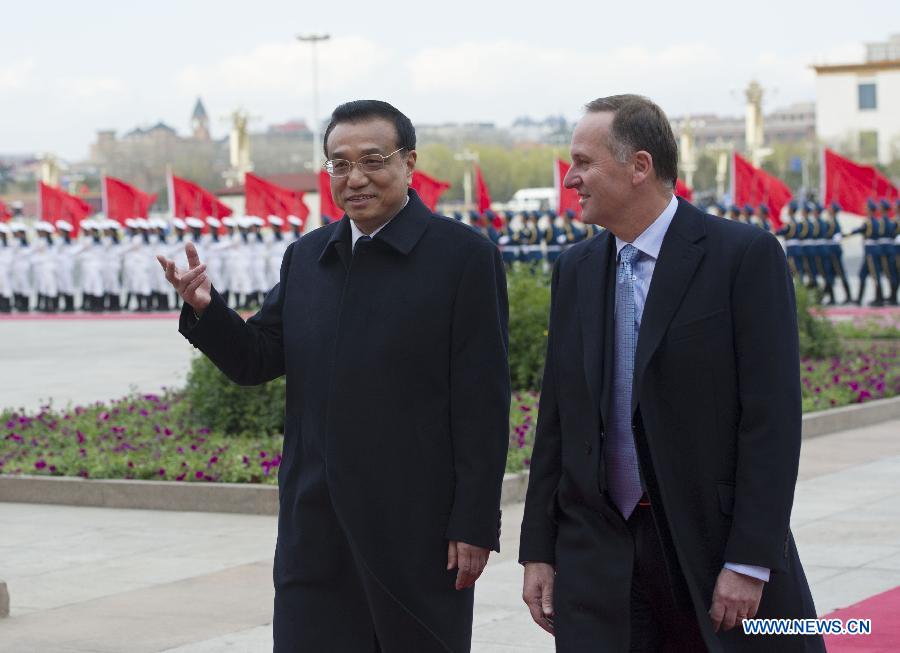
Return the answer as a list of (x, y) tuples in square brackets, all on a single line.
[(717, 413), (396, 426)]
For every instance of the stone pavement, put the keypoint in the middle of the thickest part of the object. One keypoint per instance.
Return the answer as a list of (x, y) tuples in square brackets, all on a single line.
[(81, 360), (92, 580)]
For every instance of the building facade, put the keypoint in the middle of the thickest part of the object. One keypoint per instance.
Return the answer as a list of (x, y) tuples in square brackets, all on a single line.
[(858, 104)]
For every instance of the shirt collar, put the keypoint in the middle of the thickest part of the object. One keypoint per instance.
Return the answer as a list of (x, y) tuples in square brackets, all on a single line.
[(356, 233), (651, 239)]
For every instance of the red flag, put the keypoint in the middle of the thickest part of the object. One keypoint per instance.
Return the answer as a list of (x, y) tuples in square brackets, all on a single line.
[(56, 204), (428, 188), (328, 209), (187, 199), (568, 197), (683, 190), (263, 198), (5, 212), (482, 195), (852, 184), (123, 201), (755, 186)]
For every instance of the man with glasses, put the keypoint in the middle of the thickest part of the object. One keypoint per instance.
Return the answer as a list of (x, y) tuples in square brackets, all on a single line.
[(391, 328)]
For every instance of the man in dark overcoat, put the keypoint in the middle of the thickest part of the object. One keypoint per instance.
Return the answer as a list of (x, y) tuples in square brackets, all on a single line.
[(668, 439), (390, 327)]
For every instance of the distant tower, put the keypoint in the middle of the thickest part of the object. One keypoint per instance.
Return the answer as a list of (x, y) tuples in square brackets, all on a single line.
[(753, 124), (200, 122)]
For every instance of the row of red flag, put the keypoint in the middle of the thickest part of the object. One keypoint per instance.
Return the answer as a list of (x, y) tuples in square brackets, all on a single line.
[(848, 183)]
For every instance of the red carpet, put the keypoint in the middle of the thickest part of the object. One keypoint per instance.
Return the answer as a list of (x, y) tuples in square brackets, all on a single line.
[(884, 611)]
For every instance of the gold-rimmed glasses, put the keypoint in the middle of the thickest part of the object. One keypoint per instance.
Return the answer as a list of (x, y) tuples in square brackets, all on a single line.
[(367, 164)]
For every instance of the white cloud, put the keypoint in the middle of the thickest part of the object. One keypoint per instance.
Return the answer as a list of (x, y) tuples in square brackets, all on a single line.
[(285, 68), (16, 74), (90, 88), (503, 79)]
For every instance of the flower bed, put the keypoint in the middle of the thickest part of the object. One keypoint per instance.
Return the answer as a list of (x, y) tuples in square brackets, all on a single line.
[(154, 437), (140, 437)]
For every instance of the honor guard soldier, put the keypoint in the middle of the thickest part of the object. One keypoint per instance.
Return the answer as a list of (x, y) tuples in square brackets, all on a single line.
[(762, 218), (821, 252), (67, 254), (6, 259), (530, 239), (275, 249), (6, 263), (807, 246), (112, 266), (43, 267), (507, 239), (215, 258), (258, 253), (21, 268), (90, 265), (833, 237), (790, 232), (296, 226), (886, 247), (870, 231)]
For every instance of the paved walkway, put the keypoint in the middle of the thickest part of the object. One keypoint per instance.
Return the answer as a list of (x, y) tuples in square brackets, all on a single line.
[(90, 580)]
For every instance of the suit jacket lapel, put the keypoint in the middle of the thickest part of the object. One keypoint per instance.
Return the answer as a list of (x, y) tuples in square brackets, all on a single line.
[(594, 270), (678, 259)]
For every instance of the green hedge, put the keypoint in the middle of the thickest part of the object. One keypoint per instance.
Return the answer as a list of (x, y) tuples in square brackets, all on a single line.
[(226, 407), (529, 311)]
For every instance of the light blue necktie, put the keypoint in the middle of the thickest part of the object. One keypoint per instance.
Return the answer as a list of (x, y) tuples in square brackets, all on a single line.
[(622, 463)]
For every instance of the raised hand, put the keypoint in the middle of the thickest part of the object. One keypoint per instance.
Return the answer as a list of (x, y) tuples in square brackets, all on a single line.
[(192, 285)]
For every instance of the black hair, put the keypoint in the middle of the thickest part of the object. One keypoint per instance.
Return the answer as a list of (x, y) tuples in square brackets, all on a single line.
[(360, 110)]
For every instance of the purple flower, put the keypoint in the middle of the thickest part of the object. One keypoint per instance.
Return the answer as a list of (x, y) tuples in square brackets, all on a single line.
[(80, 437), (40, 464), (162, 471), (198, 475), (213, 460)]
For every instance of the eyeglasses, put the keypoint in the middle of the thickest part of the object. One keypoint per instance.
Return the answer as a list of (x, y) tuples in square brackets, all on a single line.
[(367, 164)]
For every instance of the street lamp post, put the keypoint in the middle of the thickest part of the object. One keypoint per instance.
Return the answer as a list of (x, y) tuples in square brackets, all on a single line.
[(313, 39), (471, 158)]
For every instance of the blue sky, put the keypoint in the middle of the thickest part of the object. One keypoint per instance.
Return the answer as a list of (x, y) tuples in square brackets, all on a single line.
[(70, 68)]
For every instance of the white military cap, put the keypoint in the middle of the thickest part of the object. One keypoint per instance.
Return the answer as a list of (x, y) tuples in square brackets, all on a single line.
[(4, 229), (179, 224), (17, 226), (112, 224), (88, 224), (275, 220), (62, 225), (194, 223), (257, 221), (142, 223), (229, 222), (158, 224), (293, 219), (213, 222), (131, 223), (44, 226)]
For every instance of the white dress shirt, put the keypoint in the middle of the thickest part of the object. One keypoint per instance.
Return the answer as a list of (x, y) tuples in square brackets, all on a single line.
[(648, 244)]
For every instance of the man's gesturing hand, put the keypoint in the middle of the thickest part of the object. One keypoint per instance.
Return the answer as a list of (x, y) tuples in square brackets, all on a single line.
[(538, 593), (192, 285), (469, 559), (735, 597)]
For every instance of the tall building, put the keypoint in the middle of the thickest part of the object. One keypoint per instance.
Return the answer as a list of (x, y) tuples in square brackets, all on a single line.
[(857, 104)]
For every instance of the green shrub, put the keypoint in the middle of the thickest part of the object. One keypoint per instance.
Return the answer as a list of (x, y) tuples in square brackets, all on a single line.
[(818, 337), (529, 311), (224, 406)]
